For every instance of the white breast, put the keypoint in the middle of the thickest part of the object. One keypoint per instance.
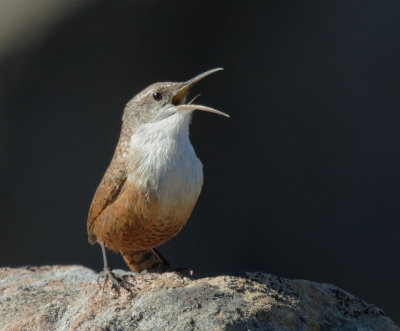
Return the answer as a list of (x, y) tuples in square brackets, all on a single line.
[(168, 165)]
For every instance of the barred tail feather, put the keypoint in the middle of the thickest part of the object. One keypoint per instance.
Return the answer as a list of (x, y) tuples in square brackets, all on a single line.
[(145, 260)]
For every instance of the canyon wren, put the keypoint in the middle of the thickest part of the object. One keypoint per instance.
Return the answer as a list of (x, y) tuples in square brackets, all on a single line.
[(153, 181)]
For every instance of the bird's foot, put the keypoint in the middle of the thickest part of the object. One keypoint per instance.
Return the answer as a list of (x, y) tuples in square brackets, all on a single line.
[(117, 281)]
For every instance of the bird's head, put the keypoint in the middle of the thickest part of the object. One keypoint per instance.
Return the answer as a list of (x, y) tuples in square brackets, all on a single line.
[(162, 100)]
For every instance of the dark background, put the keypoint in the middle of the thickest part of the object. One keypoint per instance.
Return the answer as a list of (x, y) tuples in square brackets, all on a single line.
[(303, 181)]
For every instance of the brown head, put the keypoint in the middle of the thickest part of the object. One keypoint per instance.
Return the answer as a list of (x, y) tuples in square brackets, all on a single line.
[(161, 100)]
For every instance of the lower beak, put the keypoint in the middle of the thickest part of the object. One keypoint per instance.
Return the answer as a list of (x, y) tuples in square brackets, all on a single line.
[(203, 108), (180, 95)]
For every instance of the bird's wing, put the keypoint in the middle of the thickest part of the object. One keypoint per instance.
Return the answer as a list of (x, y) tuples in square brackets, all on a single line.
[(107, 192)]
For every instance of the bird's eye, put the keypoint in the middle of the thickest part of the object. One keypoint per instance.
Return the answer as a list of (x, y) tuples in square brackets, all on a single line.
[(157, 96)]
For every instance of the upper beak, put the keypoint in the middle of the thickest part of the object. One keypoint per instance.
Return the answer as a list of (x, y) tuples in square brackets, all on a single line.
[(179, 97)]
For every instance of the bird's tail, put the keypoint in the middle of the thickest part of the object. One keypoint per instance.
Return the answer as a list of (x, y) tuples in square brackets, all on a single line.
[(148, 259)]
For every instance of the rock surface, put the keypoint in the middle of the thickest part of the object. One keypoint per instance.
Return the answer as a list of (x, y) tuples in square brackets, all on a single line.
[(69, 298)]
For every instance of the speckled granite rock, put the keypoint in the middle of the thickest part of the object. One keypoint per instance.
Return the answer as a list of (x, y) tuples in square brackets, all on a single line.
[(69, 298)]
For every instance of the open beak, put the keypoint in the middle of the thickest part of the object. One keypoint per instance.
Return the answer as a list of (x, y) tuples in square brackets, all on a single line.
[(179, 97)]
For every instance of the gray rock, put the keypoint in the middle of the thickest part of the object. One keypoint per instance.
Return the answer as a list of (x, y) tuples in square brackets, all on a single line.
[(70, 298)]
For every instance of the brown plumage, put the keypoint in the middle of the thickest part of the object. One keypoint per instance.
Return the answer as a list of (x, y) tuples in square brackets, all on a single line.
[(125, 218), (153, 181)]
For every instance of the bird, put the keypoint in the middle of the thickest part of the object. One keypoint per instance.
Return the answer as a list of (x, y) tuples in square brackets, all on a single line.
[(153, 181)]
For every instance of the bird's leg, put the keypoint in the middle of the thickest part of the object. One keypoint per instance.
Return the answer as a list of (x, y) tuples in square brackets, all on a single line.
[(117, 282), (164, 265), (167, 267)]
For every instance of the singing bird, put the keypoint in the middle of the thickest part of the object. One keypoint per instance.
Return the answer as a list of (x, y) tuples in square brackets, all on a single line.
[(153, 181)]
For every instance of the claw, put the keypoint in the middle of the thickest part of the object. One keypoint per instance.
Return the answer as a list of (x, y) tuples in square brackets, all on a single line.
[(117, 281)]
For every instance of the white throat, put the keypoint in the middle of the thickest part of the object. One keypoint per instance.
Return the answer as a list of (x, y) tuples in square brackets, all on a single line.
[(164, 162)]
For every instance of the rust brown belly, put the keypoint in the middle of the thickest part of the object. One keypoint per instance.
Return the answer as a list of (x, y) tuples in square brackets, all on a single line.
[(134, 222)]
